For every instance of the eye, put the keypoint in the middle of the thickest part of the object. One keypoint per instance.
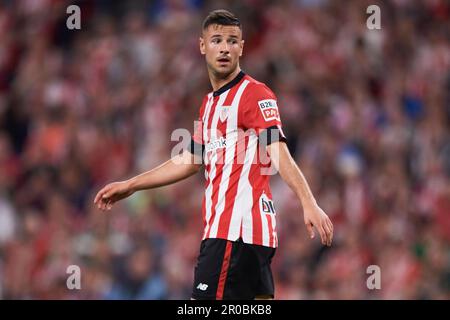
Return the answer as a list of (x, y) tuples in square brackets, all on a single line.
[(233, 41), (216, 40)]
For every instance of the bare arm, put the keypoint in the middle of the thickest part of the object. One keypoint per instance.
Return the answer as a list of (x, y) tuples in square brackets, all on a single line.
[(294, 178), (173, 170)]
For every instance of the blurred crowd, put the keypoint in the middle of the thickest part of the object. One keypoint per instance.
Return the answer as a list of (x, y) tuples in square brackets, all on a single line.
[(366, 113)]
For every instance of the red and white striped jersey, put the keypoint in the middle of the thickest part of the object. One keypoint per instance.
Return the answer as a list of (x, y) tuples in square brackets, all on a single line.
[(238, 202)]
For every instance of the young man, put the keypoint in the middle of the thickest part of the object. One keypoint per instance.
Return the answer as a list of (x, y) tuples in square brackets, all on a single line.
[(239, 126)]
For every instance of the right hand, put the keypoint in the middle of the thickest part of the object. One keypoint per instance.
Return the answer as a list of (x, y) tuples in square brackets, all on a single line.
[(111, 193), (315, 217)]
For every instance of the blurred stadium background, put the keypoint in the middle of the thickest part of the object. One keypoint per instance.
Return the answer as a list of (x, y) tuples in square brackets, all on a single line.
[(367, 115)]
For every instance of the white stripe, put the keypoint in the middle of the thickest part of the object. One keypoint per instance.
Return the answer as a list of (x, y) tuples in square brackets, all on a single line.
[(212, 173), (244, 198), (247, 227), (265, 229), (231, 137)]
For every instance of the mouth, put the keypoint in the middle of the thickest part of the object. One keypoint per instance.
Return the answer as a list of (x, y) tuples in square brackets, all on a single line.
[(223, 60)]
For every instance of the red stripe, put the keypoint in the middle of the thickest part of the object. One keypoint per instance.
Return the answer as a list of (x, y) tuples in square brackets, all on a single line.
[(255, 182), (208, 168), (224, 271), (204, 211), (207, 139), (215, 192), (221, 129), (212, 109), (202, 117), (198, 130)]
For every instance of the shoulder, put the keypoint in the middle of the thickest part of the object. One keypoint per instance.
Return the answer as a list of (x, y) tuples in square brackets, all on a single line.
[(257, 94), (206, 97), (257, 90), (205, 101)]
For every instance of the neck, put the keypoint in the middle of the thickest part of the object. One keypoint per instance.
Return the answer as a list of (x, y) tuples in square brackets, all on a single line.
[(217, 82)]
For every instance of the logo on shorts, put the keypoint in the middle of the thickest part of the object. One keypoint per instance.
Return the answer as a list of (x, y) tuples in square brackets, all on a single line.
[(269, 109), (202, 286), (266, 205)]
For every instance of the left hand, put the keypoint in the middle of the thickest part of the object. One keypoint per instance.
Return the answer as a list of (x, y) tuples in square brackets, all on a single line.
[(314, 216)]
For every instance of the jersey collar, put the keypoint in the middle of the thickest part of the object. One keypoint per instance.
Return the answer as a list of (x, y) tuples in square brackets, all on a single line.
[(230, 84)]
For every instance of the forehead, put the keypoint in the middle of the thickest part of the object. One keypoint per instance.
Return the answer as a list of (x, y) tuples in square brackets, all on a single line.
[(221, 30)]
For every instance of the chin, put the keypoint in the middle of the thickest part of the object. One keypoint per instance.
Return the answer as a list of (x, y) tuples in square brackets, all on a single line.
[(224, 72)]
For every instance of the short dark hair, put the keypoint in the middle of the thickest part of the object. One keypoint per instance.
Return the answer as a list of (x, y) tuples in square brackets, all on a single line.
[(221, 17)]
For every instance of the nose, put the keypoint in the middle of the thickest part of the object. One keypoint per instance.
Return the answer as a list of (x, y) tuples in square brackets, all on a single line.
[(224, 48)]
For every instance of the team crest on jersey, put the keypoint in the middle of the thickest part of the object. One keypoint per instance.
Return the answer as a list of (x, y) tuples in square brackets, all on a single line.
[(266, 205), (269, 109), (224, 113)]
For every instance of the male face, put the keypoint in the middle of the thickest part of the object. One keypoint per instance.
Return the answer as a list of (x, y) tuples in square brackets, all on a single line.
[(222, 47)]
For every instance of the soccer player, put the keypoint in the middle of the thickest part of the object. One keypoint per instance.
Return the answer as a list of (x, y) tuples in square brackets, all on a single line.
[(239, 127)]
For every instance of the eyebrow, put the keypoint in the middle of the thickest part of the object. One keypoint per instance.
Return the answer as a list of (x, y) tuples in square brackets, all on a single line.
[(219, 35)]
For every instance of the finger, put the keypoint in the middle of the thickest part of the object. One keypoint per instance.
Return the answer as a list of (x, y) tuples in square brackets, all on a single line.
[(105, 202), (323, 234), (101, 194), (109, 204), (310, 230), (328, 232), (101, 204), (98, 196), (330, 224)]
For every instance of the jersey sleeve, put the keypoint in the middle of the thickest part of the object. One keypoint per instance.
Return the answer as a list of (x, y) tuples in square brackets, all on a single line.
[(260, 113), (196, 145)]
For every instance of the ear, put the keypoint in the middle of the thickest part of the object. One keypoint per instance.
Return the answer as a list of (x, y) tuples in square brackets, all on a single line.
[(242, 48), (201, 43)]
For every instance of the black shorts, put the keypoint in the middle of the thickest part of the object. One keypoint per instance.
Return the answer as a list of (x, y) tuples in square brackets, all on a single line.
[(233, 270)]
